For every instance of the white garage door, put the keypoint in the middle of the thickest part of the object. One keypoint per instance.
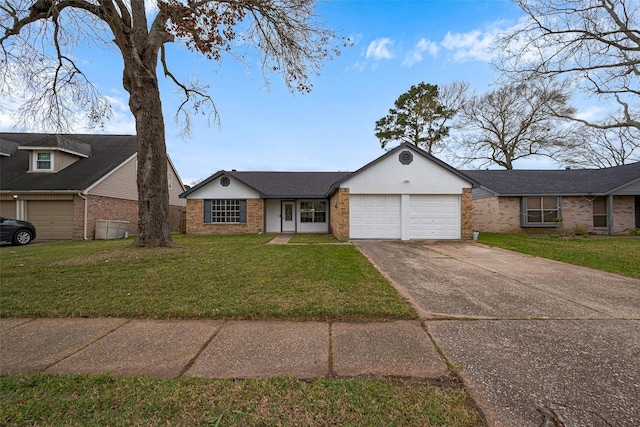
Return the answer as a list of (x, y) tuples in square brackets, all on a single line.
[(53, 219), (374, 216), (434, 217)]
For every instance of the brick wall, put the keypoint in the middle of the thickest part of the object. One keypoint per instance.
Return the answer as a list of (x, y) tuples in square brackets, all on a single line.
[(109, 208), (502, 215), (196, 224), (339, 214), (497, 215), (466, 218), (625, 215)]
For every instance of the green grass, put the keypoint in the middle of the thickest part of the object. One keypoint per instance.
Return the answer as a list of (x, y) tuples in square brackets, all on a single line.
[(613, 254), (27, 400), (314, 238), (231, 277)]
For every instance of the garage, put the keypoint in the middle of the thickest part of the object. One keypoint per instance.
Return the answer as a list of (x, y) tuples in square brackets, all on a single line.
[(374, 216), (404, 216), (434, 217), (53, 219), (8, 208)]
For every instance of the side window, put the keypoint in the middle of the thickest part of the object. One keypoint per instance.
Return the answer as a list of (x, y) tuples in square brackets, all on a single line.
[(540, 211)]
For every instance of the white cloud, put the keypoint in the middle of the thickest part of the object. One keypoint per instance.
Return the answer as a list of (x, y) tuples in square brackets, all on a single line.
[(421, 47), (476, 45), (380, 49), (122, 121)]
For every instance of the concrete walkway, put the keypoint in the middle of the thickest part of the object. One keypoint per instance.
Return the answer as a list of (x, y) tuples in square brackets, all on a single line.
[(280, 239), (218, 349)]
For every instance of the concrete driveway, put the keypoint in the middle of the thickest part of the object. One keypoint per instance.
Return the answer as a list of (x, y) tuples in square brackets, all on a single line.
[(537, 342)]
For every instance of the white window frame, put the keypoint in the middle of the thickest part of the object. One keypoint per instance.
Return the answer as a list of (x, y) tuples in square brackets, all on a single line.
[(310, 211), (225, 211), (36, 160)]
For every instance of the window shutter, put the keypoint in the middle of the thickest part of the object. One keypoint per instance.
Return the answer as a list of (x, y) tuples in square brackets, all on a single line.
[(207, 211), (243, 211)]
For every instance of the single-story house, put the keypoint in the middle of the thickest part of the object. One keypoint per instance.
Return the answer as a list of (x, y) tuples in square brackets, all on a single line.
[(404, 194), (63, 184), (597, 201)]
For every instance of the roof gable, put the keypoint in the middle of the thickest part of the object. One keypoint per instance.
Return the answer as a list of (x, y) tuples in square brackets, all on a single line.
[(282, 185), (406, 146), (106, 153)]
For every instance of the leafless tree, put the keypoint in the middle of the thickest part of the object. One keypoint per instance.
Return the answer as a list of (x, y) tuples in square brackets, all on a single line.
[(603, 148), (595, 43), (513, 122), (38, 37)]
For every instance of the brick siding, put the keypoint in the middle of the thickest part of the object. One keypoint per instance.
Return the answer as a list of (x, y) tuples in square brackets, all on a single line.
[(109, 208), (502, 215), (466, 217), (196, 224), (339, 214), (625, 214)]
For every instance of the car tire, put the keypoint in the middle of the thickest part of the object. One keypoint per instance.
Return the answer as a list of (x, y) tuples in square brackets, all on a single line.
[(21, 238)]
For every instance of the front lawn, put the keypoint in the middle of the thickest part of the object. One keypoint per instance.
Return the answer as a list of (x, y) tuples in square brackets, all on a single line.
[(27, 400), (612, 254), (231, 277)]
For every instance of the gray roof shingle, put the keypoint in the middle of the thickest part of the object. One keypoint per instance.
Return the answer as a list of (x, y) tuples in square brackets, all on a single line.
[(556, 182), (282, 185), (106, 153)]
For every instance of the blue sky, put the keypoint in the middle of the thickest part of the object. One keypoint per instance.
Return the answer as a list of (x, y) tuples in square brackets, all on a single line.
[(265, 127)]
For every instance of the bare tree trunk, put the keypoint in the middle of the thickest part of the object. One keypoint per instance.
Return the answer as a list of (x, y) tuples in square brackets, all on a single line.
[(153, 189)]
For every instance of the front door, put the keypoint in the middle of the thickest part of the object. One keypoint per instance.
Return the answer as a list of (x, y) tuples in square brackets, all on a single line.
[(288, 217), (637, 211)]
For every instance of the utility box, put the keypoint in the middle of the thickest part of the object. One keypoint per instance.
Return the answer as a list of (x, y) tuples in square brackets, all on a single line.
[(111, 229)]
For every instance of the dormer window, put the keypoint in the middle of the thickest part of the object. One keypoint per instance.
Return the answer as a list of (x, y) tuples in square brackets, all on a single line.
[(43, 161)]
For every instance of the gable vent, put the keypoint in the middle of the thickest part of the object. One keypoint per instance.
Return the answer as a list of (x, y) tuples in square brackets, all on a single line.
[(406, 157)]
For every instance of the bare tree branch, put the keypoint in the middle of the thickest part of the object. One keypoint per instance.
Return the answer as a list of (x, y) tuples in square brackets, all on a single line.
[(513, 122), (596, 44)]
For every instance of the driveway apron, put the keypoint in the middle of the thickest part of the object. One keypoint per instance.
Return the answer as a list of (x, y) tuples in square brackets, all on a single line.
[(537, 342)]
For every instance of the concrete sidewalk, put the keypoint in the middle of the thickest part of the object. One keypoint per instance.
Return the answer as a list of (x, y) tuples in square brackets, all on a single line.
[(218, 348)]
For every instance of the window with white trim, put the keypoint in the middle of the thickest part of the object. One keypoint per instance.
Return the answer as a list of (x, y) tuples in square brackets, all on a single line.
[(225, 211), (315, 211), (42, 161), (541, 212)]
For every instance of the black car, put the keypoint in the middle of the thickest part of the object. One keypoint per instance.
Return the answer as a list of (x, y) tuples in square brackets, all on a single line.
[(16, 232)]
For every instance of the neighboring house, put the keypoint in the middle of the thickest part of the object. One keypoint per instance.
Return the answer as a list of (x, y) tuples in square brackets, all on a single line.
[(598, 201), (404, 194), (63, 184)]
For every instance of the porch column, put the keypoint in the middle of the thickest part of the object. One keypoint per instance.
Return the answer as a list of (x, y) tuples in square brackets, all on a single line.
[(610, 215)]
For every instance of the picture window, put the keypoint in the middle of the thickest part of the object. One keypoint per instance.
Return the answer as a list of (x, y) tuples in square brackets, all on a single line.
[(313, 211)]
